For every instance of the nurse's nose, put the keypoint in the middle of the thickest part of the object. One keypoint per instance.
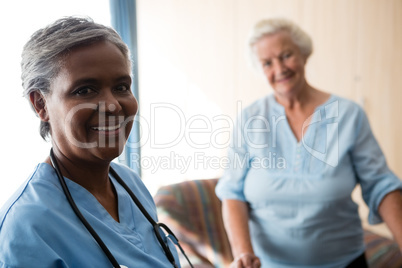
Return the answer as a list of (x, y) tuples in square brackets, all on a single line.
[(109, 104)]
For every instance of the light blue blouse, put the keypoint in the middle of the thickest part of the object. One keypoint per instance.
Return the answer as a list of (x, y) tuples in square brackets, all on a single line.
[(39, 229), (299, 193)]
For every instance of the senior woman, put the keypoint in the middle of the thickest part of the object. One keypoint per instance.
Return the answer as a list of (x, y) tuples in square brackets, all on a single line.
[(297, 155), (79, 209)]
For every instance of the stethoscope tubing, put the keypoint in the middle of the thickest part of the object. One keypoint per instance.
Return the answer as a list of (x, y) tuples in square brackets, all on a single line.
[(102, 245), (78, 212)]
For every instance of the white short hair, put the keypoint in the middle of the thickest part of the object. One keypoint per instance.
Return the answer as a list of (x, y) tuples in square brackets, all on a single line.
[(273, 25)]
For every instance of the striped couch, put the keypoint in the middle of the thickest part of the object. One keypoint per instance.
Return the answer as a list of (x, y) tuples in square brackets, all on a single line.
[(192, 210)]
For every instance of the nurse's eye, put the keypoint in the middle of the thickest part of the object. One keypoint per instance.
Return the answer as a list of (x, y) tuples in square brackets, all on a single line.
[(122, 88), (83, 91)]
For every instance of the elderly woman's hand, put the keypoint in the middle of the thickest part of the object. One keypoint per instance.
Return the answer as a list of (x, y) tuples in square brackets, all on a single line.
[(246, 260)]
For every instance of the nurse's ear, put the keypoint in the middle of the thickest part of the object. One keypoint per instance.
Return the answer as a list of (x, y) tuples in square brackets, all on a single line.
[(38, 102)]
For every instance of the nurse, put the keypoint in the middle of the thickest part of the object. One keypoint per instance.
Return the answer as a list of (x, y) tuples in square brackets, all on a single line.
[(76, 76)]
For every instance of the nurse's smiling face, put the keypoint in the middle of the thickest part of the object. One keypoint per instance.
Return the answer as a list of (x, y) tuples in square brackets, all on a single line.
[(91, 107)]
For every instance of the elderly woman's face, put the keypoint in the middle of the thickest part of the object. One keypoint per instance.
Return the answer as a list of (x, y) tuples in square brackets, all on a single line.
[(91, 107), (282, 63)]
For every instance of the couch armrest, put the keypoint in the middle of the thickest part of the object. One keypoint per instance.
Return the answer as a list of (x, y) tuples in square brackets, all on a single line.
[(193, 212), (381, 251)]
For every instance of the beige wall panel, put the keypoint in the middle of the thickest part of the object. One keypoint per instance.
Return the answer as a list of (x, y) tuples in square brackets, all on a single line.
[(380, 71), (332, 26)]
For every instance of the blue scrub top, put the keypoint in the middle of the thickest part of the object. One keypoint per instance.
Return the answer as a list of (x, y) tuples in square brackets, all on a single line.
[(299, 192), (38, 228)]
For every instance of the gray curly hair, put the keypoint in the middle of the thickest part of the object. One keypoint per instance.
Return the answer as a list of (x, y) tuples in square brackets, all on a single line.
[(42, 55), (271, 26)]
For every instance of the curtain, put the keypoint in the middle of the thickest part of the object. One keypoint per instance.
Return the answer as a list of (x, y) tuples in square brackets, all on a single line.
[(124, 21)]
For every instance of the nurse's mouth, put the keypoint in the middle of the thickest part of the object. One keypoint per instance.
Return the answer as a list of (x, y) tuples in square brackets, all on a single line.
[(107, 130)]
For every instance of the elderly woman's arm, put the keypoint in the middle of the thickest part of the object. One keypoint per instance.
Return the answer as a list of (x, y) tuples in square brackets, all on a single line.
[(390, 210), (235, 217)]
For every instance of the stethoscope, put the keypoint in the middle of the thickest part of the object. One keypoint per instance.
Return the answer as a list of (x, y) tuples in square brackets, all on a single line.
[(157, 226)]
